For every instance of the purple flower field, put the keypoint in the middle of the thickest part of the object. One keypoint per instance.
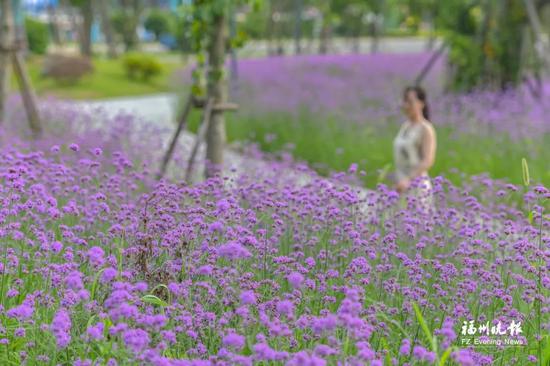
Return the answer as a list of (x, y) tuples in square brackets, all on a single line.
[(332, 111), (101, 265), (366, 89)]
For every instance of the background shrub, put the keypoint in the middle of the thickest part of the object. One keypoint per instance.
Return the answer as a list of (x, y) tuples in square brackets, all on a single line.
[(68, 69), (132, 65), (38, 35), (141, 66)]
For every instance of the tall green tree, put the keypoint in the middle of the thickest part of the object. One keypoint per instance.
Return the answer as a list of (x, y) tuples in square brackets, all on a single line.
[(86, 10), (11, 52), (327, 20), (7, 37), (356, 18), (107, 27), (126, 20), (210, 19)]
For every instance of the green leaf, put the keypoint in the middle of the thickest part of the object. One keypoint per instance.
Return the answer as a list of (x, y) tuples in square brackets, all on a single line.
[(94, 285), (162, 285), (546, 350), (383, 173), (90, 321), (425, 329), (17, 344), (197, 90), (386, 347), (525, 169), (446, 355), (153, 300), (257, 5), (201, 58), (239, 39), (119, 258), (394, 322)]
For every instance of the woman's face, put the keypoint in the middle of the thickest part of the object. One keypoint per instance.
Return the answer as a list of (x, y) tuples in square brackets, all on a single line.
[(411, 105)]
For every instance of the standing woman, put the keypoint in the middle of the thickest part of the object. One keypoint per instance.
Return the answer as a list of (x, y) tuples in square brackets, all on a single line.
[(415, 146)]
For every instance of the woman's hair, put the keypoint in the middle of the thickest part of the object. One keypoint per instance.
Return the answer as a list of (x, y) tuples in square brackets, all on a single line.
[(421, 95)]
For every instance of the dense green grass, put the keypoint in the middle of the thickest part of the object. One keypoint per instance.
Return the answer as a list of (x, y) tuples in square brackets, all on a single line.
[(108, 80), (329, 144)]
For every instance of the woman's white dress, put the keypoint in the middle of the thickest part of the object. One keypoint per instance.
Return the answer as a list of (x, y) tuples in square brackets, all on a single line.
[(407, 157)]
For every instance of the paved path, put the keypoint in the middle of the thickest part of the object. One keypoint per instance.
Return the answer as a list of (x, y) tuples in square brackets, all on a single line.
[(160, 111)]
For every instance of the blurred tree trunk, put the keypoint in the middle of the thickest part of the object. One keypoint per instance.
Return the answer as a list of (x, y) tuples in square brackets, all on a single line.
[(52, 15), (74, 13), (27, 93), (280, 47), (324, 36), (233, 52), (87, 13), (511, 18), (357, 31), (10, 52), (431, 36), (485, 44), (269, 29), (298, 8), (326, 26), (137, 9), (277, 29), (132, 10), (530, 61), (107, 28), (541, 45), (6, 42), (356, 43), (215, 135), (375, 38), (377, 24)]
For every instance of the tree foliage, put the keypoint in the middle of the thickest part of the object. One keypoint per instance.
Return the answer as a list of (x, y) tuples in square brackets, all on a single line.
[(38, 36), (485, 38), (126, 20), (204, 16), (159, 22)]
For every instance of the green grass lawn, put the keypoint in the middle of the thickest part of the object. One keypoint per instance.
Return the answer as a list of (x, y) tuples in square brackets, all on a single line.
[(108, 81)]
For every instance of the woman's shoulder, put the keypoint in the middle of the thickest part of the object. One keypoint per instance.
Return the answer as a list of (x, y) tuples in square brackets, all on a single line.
[(428, 127)]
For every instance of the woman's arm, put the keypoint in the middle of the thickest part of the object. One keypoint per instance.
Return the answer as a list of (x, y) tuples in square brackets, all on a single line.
[(428, 147)]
